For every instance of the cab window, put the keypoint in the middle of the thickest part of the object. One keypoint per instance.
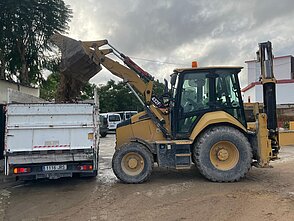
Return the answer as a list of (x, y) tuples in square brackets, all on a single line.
[(227, 95), (194, 98)]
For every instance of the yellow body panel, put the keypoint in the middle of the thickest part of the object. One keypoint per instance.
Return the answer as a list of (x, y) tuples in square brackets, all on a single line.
[(286, 137), (214, 118), (291, 125), (264, 144), (145, 129), (178, 142), (251, 126)]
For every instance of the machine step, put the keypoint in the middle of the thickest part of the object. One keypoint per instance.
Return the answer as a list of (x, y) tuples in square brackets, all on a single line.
[(183, 159), (183, 155), (183, 167)]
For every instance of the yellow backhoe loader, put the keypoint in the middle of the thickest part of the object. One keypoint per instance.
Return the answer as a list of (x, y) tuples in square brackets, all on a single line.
[(199, 120)]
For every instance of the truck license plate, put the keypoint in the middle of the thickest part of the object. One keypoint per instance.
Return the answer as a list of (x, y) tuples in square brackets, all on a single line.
[(55, 167)]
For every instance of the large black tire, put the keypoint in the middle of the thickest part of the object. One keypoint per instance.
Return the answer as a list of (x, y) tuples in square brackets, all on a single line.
[(138, 154), (223, 154), (89, 175)]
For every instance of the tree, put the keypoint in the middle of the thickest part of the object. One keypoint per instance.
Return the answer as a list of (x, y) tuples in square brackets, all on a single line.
[(26, 28), (118, 97), (49, 88)]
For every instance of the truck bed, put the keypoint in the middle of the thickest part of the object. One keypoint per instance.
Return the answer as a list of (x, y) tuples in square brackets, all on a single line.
[(51, 134)]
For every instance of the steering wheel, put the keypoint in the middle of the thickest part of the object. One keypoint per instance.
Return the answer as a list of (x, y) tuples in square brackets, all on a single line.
[(195, 105), (235, 104)]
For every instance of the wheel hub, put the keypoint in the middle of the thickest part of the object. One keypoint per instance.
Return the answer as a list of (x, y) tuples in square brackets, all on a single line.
[(223, 154), (132, 163)]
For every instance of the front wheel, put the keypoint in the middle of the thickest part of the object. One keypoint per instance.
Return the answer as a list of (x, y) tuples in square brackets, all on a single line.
[(132, 163), (223, 154)]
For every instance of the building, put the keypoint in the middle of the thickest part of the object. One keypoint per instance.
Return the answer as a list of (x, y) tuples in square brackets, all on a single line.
[(5, 85), (284, 73), (20, 93)]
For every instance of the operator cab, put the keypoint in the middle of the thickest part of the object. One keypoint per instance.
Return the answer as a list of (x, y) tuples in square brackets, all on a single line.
[(197, 91)]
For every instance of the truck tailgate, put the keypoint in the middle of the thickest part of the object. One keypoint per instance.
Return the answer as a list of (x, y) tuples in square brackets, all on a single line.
[(47, 126)]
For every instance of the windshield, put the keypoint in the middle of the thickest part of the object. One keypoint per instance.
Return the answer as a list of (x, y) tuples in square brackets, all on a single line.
[(113, 118)]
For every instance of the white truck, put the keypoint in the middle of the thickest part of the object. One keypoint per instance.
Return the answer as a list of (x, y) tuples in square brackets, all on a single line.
[(48, 140)]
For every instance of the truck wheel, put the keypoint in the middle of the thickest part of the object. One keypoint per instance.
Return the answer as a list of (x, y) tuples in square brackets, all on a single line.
[(89, 175), (103, 134), (223, 154), (132, 163)]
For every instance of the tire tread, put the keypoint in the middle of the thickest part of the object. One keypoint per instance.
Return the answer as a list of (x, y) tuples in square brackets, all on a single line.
[(205, 136), (140, 147)]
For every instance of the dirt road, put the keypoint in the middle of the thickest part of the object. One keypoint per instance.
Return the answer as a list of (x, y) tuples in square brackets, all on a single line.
[(265, 194)]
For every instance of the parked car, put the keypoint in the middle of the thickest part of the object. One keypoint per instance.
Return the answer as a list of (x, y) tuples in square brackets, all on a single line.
[(125, 115), (113, 120), (103, 126)]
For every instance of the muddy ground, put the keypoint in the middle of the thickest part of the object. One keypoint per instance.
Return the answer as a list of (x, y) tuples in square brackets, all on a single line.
[(265, 194)]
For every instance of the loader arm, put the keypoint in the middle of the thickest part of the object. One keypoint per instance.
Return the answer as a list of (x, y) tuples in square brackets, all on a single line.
[(83, 60), (121, 71)]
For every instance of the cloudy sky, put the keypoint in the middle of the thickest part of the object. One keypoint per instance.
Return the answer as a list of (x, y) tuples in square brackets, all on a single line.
[(176, 32)]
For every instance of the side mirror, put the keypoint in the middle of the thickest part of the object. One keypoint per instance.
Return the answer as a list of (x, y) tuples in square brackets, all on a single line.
[(165, 100), (173, 79), (165, 86)]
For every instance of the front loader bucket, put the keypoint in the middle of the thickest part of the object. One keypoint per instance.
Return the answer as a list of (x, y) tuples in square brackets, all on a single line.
[(76, 62)]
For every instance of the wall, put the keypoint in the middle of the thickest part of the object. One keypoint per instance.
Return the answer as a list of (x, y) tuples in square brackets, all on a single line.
[(2, 130), (249, 94), (253, 72), (282, 70), (283, 91), (282, 67), (4, 85)]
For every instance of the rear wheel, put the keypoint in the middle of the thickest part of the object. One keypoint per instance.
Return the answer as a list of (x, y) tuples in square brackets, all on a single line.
[(89, 174), (223, 154), (132, 163)]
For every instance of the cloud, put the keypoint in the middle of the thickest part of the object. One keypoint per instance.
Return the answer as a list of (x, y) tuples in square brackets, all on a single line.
[(212, 32)]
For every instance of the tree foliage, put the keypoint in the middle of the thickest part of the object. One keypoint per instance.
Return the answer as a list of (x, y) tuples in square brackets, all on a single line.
[(49, 88), (112, 96), (26, 28), (118, 97)]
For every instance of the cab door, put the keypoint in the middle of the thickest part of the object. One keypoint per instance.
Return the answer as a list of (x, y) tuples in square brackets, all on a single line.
[(192, 101)]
